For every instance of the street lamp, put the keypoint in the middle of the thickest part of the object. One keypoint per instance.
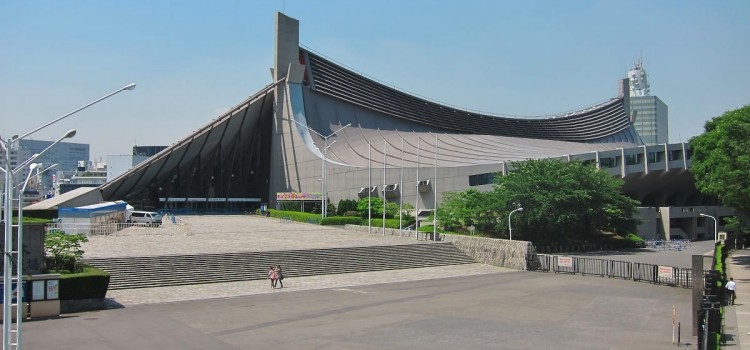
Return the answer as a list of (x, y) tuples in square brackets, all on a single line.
[(324, 168), (510, 228), (716, 227), (8, 250)]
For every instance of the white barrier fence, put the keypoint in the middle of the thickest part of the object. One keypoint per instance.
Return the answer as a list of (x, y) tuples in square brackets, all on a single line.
[(170, 226)]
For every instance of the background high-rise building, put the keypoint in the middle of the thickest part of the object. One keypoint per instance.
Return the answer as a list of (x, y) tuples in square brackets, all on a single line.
[(147, 151), (65, 154), (652, 114)]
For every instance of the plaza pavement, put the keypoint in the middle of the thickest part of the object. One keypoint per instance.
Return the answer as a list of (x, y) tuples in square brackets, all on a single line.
[(738, 267), (250, 233), (228, 234)]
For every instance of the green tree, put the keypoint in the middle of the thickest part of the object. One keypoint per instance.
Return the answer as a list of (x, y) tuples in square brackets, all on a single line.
[(460, 210), (63, 251), (561, 200), (721, 159), (376, 207)]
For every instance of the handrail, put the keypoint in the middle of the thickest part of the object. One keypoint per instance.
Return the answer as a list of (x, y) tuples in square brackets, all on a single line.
[(681, 277)]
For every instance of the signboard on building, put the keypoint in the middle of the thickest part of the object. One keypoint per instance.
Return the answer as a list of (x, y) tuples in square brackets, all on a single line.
[(297, 196)]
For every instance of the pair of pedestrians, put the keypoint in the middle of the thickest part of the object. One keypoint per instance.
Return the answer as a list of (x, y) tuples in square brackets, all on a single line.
[(276, 275)]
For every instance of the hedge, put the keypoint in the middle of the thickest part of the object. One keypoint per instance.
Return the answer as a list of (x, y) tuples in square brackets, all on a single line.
[(295, 216), (92, 283), (342, 220)]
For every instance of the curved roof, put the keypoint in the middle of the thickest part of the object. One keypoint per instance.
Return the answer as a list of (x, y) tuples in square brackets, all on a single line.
[(606, 122), (371, 135)]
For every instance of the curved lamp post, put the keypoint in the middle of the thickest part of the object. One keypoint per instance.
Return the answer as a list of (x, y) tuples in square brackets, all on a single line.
[(510, 228), (324, 168), (716, 227), (9, 255)]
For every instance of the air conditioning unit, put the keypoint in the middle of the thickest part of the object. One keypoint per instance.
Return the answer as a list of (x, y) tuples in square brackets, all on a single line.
[(391, 191), (424, 186), (363, 192)]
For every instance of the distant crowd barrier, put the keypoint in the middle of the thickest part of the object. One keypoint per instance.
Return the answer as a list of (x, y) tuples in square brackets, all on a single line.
[(657, 274), (171, 226), (675, 244)]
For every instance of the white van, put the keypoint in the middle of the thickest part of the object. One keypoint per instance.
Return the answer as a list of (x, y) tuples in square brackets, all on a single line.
[(145, 217)]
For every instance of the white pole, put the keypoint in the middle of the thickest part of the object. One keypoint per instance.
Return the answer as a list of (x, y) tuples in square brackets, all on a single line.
[(369, 187), (19, 259), (8, 248), (716, 226), (416, 200), (510, 228), (401, 191), (434, 190), (7, 268), (130, 86), (385, 166), (674, 315), (323, 180)]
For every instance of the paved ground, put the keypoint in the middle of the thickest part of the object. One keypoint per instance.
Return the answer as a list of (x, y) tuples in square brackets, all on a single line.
[(460, 307), (675, 258), (739, 268)]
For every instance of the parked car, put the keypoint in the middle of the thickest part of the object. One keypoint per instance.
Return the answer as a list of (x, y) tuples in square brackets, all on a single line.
[(145, 217)]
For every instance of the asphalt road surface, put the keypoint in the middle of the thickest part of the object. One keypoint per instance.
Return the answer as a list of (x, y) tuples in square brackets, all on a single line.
[(510, 310)]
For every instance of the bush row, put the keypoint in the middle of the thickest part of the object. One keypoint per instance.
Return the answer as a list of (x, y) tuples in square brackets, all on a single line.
[(295, 216), (92, 283)]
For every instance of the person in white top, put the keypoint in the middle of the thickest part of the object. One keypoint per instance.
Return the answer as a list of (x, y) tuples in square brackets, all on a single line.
[(731, 294)]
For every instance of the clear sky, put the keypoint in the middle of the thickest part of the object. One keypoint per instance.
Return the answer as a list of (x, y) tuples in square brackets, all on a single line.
[(193, 60)]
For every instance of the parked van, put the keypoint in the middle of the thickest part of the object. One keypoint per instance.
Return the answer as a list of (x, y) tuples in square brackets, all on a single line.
[(145, 217)]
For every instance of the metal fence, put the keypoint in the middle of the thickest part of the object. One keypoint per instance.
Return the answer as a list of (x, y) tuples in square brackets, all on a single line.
[(667, 275), (172, 226)]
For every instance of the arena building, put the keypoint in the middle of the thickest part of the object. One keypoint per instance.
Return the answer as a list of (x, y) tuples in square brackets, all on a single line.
[(320, 128)]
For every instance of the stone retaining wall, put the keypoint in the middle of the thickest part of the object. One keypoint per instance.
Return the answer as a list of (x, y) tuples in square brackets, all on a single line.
[(493, 251), (490, 251)]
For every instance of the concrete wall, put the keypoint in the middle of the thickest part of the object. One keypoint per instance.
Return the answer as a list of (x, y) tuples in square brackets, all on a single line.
[(493, 251), (33, 248), (685, 222)]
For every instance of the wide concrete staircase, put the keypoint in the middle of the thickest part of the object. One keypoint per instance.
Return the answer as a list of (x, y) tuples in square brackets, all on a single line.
[(173, 270)]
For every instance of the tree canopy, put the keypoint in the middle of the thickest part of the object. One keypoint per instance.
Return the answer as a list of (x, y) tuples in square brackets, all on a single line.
[(560, 200), (721, 159)]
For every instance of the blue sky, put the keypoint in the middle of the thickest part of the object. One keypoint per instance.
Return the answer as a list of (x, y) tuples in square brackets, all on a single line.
[(193, 60)]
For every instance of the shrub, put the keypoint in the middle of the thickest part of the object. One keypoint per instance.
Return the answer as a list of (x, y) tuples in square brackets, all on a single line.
[(341, 220), (389, 223), (91, 283), (62, 251), (295, 216)]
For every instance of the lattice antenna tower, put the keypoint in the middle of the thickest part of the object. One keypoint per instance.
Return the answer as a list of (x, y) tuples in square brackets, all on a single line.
[(639, 80)]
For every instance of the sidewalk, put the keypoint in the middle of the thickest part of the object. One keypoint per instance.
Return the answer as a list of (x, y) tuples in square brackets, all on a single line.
[(737, 317)]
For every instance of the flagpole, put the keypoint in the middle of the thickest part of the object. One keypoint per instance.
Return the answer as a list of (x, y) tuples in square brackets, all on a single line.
[(434, 187), (369, 188), (385, 146), (401, 191)]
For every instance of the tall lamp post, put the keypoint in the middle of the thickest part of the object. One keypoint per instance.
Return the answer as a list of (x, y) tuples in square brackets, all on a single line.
[(324, 168), (716, 227), (9, 255), (510, 228)]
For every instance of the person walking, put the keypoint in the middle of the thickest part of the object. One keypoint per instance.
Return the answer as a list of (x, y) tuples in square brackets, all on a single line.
[(279, 276), (272, 276), (731, 286)]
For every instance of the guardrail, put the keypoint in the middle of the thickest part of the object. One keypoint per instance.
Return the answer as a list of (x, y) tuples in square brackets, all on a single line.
[(667, 275)]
